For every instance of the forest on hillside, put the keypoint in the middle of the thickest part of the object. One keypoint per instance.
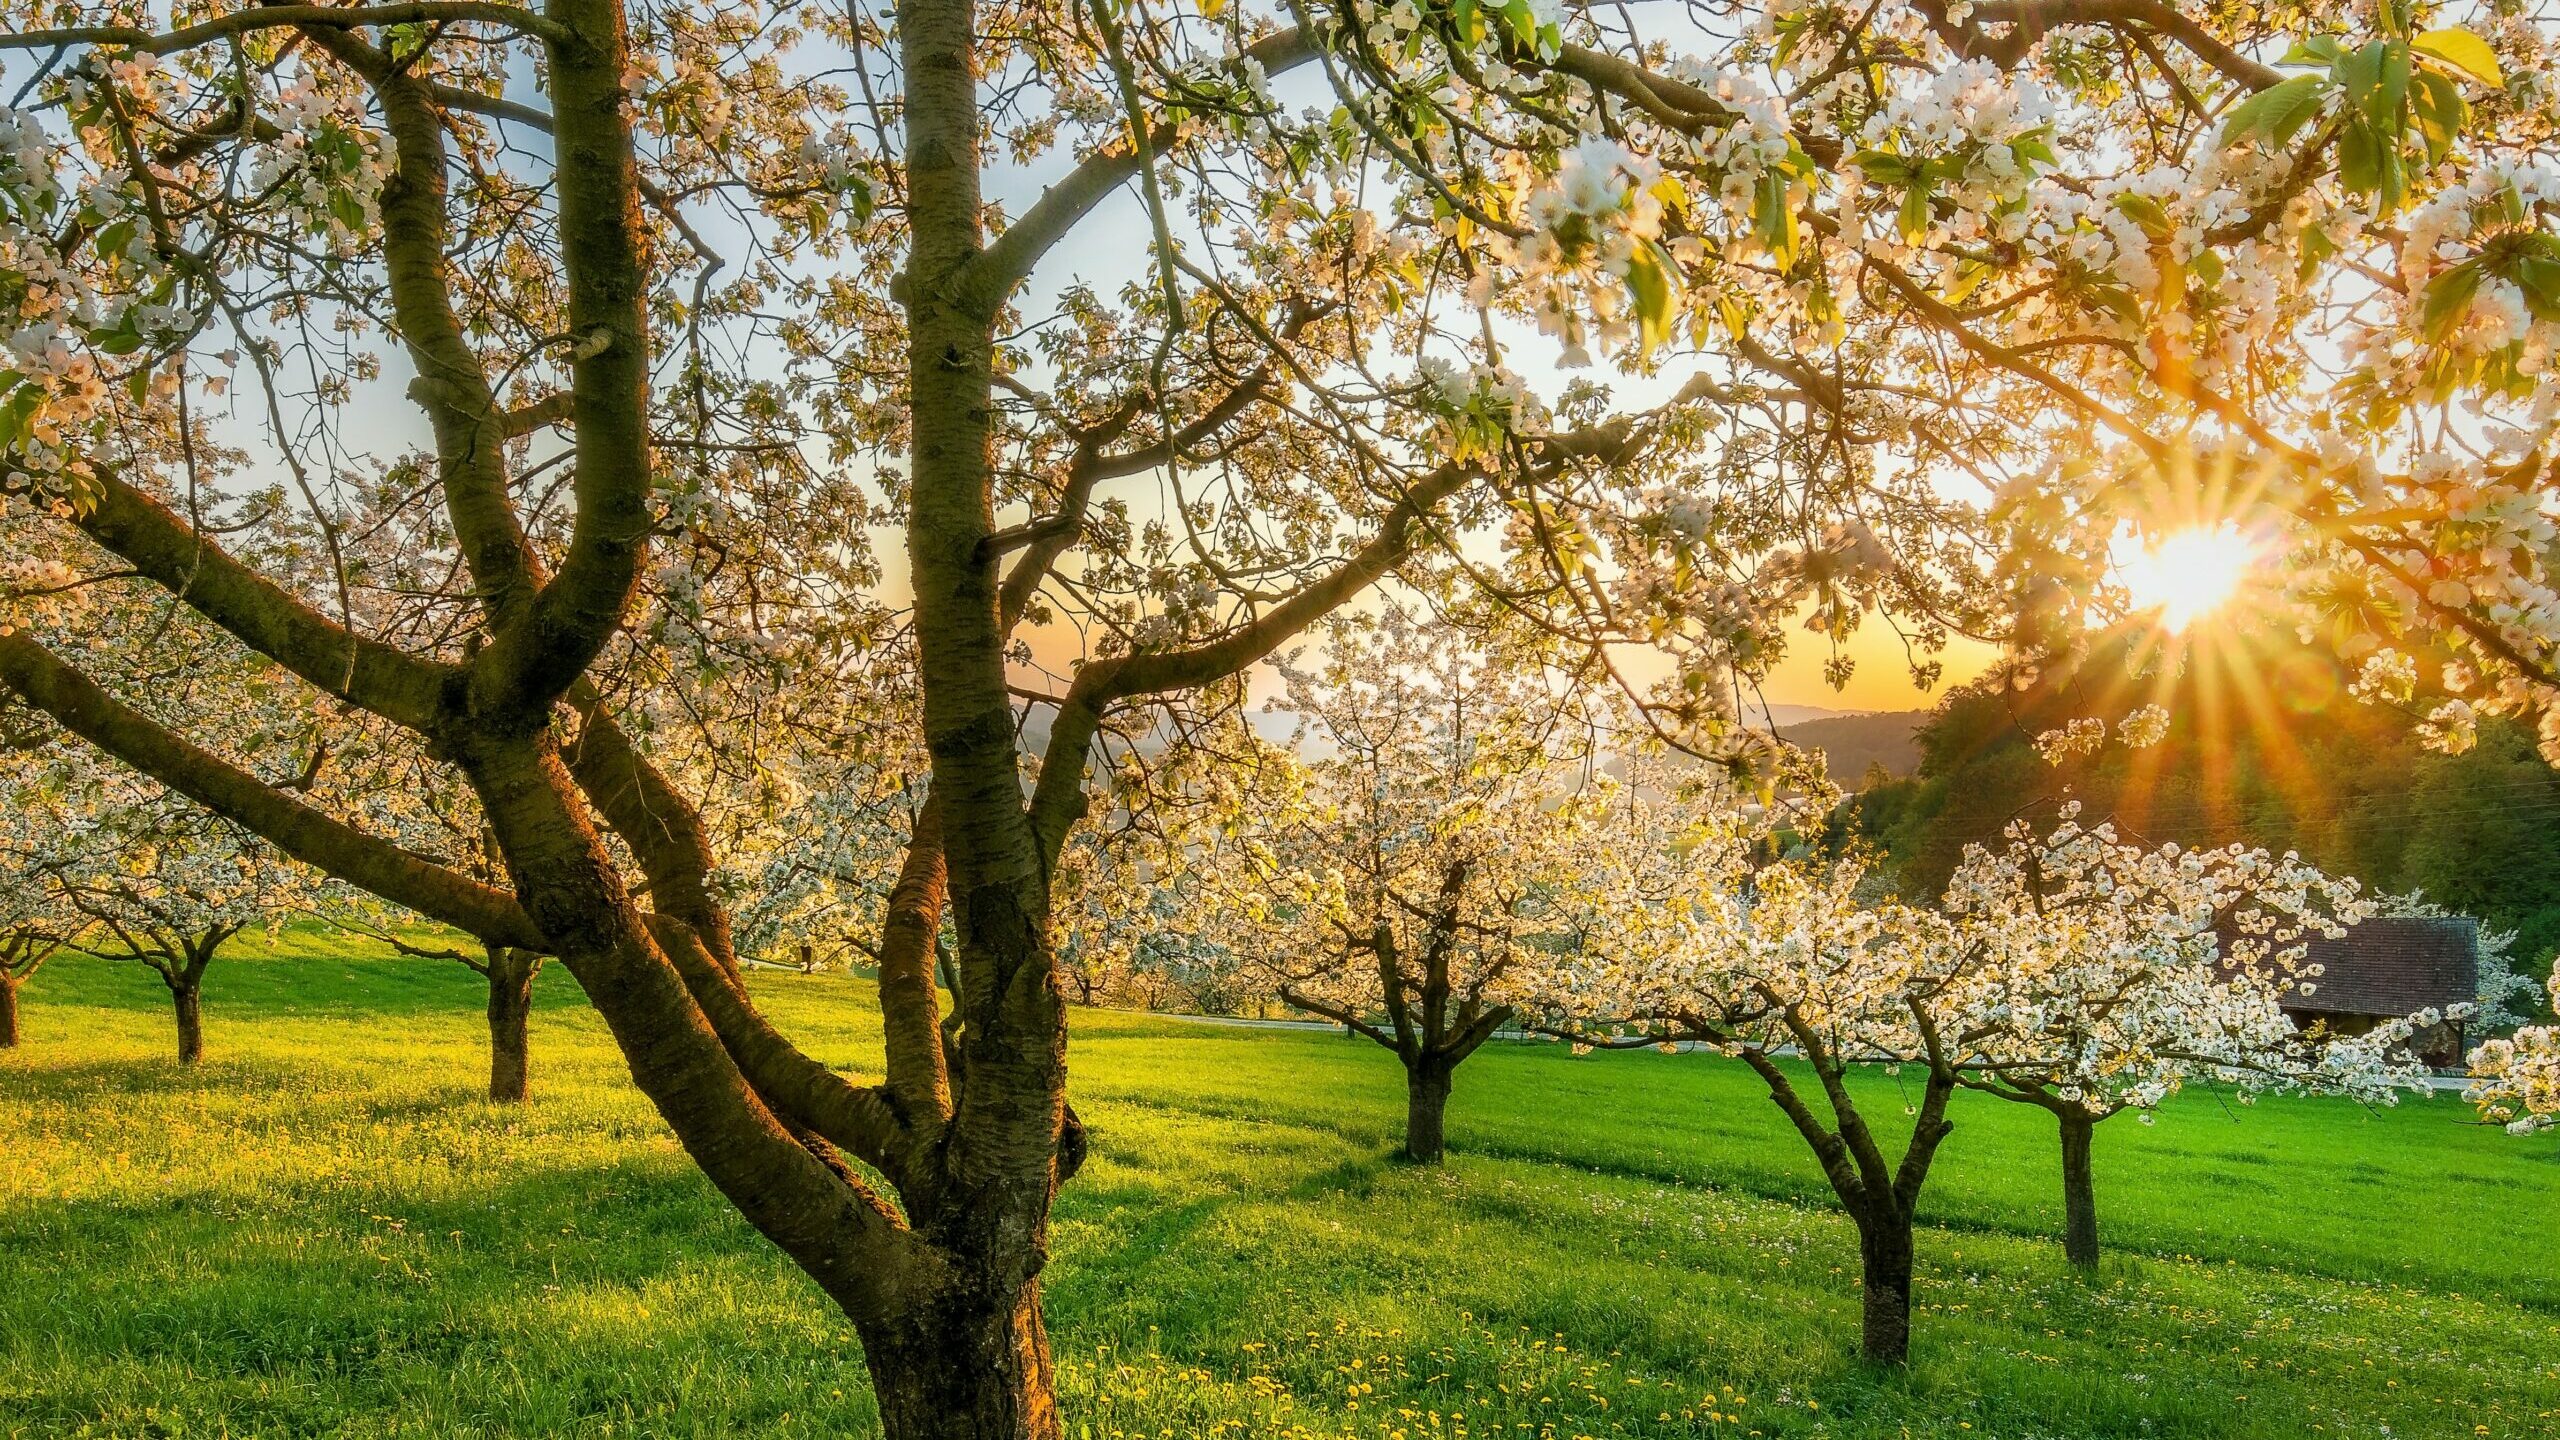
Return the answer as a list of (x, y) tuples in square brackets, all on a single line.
[(2265, 747)]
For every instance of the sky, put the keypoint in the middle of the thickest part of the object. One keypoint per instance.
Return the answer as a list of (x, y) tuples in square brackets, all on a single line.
[(1882, 680)]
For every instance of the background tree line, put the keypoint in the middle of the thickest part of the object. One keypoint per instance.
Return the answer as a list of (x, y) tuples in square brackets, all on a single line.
[(2265, 747)]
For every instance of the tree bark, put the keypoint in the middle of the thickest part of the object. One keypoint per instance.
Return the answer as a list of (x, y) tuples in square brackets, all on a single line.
[(2079, 1195), (189, 998), (1426, 1089), (510, 1002), (1884, 1258), (8, 1011), (974, 1366)]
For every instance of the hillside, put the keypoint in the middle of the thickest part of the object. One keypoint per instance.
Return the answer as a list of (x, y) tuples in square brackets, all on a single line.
[(1852, 743)]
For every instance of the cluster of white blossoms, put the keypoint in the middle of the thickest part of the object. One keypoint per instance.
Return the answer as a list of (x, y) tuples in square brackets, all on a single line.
[(2111, 975), (2145, 727), (326, 165), (2082, 735), (2452, 727), (1473, 407), (2516, 1082), (1955, 152), (2482, 310), (1593, 235)]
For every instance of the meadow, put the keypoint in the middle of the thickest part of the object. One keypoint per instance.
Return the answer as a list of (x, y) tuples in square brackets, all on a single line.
[(324, 1230)]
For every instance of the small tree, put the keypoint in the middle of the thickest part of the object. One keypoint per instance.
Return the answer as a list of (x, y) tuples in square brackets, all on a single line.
[(509, 971), (2109, 976), (23, 951), (1791, 962), (167, 886), (1400, 882)]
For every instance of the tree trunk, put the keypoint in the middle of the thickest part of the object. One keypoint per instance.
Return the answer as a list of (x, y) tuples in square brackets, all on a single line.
[(1426, 1089), (9, 1010), (510, 1001), (967, 1369), (1884, 1256), (2079, 1196), (189, 998)]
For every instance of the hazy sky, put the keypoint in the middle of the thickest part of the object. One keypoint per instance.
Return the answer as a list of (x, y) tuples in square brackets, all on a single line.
[(1883, 677)]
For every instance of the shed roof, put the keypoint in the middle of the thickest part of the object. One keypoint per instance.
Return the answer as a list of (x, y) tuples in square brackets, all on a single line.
[(2393, 965)]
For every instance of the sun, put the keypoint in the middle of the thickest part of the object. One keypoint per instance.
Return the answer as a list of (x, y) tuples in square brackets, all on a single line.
[(2188, 574)]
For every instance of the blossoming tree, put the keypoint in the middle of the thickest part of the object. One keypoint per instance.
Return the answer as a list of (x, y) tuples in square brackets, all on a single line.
[(716, 282), (1401, 880), (164, 885), (1793, 962), (2068, 970), (2104, 977)]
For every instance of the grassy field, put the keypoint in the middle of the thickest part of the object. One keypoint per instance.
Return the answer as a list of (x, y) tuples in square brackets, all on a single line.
[(323, 1231)]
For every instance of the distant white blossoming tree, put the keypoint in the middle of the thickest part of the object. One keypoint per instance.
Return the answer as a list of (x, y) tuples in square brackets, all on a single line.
[(1403, 879), (35, 924), (165, 886), (2102, 977)]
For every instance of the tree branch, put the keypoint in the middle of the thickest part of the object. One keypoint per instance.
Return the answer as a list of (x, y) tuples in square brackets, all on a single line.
[(306, 834), (270, 17)]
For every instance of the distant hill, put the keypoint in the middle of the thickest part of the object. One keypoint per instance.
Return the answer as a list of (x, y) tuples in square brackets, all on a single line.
[(1763, 715), (1851, 743)]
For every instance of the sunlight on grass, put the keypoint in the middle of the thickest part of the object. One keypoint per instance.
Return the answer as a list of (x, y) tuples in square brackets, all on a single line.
[(327, 1232)]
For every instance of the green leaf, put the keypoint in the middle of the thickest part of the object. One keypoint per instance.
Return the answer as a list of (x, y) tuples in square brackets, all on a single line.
[(2449, 299), (2440, 111), (1883, 167), (1913, 221), (2118, 301), (2465, 52), (2359, 160), (2538, 276), (2321, 50), (14, 416), (1737, 321), (2145, 212), (1653, 280), (1774, 220), (112, 241), (2317, 247), (2383, 70), (2277, 112)]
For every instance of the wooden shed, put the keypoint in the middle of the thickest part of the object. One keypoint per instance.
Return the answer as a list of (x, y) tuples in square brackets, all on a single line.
[(2389, 967)]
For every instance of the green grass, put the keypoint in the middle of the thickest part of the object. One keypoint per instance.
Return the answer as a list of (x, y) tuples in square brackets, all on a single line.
[(324, 1231)]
